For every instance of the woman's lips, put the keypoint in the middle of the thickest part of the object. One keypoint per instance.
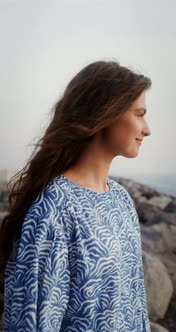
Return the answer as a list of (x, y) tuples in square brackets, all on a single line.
[(139, 140)]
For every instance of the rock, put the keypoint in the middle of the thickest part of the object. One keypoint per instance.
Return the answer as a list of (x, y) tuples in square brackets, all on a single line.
[(171, 207), (147, 212), (166, 217), (160, 201), (157, 328), (169, 260), (158, 238), (169, 320), (158, 284), (2, 214)]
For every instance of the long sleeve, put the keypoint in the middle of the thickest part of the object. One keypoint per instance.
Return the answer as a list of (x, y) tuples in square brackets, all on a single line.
[(37, 279)]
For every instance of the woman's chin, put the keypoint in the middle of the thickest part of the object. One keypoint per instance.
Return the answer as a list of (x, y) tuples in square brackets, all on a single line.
[(131, 154)]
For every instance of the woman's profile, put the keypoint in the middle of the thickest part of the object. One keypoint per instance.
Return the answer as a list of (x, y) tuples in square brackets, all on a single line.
[(71, 245)]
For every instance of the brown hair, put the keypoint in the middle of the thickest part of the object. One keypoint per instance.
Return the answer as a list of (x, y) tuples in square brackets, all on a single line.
[(97, 95)]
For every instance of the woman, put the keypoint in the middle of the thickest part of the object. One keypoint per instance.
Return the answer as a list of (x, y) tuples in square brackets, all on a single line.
[(71, 245)]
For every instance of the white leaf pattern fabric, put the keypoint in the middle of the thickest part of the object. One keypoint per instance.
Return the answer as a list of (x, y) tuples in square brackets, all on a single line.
[(78, 264)]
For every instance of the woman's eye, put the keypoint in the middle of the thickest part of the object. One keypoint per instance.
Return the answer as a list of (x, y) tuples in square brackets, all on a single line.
[(141, 115)]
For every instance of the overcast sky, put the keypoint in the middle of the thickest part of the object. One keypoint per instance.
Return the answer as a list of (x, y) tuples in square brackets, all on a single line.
[(44, 43)]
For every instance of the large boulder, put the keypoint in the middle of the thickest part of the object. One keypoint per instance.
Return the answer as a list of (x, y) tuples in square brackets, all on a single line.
[(159, 238), (157, 328), (159, 287), (169, 260)]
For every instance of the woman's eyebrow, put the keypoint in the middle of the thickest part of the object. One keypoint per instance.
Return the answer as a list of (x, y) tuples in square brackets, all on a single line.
[(142, 108)]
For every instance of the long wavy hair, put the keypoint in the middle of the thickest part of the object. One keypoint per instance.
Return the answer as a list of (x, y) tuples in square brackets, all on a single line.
[(96, 96)]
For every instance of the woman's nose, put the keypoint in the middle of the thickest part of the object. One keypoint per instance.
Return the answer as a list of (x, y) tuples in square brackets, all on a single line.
[(146, 130)]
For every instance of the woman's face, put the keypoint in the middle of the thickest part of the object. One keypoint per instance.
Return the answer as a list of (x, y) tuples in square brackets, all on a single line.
[(123, 134)]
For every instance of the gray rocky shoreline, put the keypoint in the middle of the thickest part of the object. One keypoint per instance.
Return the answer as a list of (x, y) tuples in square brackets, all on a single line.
[(157, 216)]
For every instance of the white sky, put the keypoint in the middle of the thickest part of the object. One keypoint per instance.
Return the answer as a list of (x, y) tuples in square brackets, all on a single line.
[(45, 42)]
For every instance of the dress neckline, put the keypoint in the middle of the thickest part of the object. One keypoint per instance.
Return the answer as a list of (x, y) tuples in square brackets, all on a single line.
[(76, 185)]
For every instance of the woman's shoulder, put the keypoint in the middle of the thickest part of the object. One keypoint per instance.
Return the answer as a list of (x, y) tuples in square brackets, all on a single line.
[(46, 215), (51, 200)]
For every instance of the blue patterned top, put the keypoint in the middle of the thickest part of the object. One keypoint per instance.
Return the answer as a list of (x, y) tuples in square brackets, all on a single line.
[(78, 264)]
